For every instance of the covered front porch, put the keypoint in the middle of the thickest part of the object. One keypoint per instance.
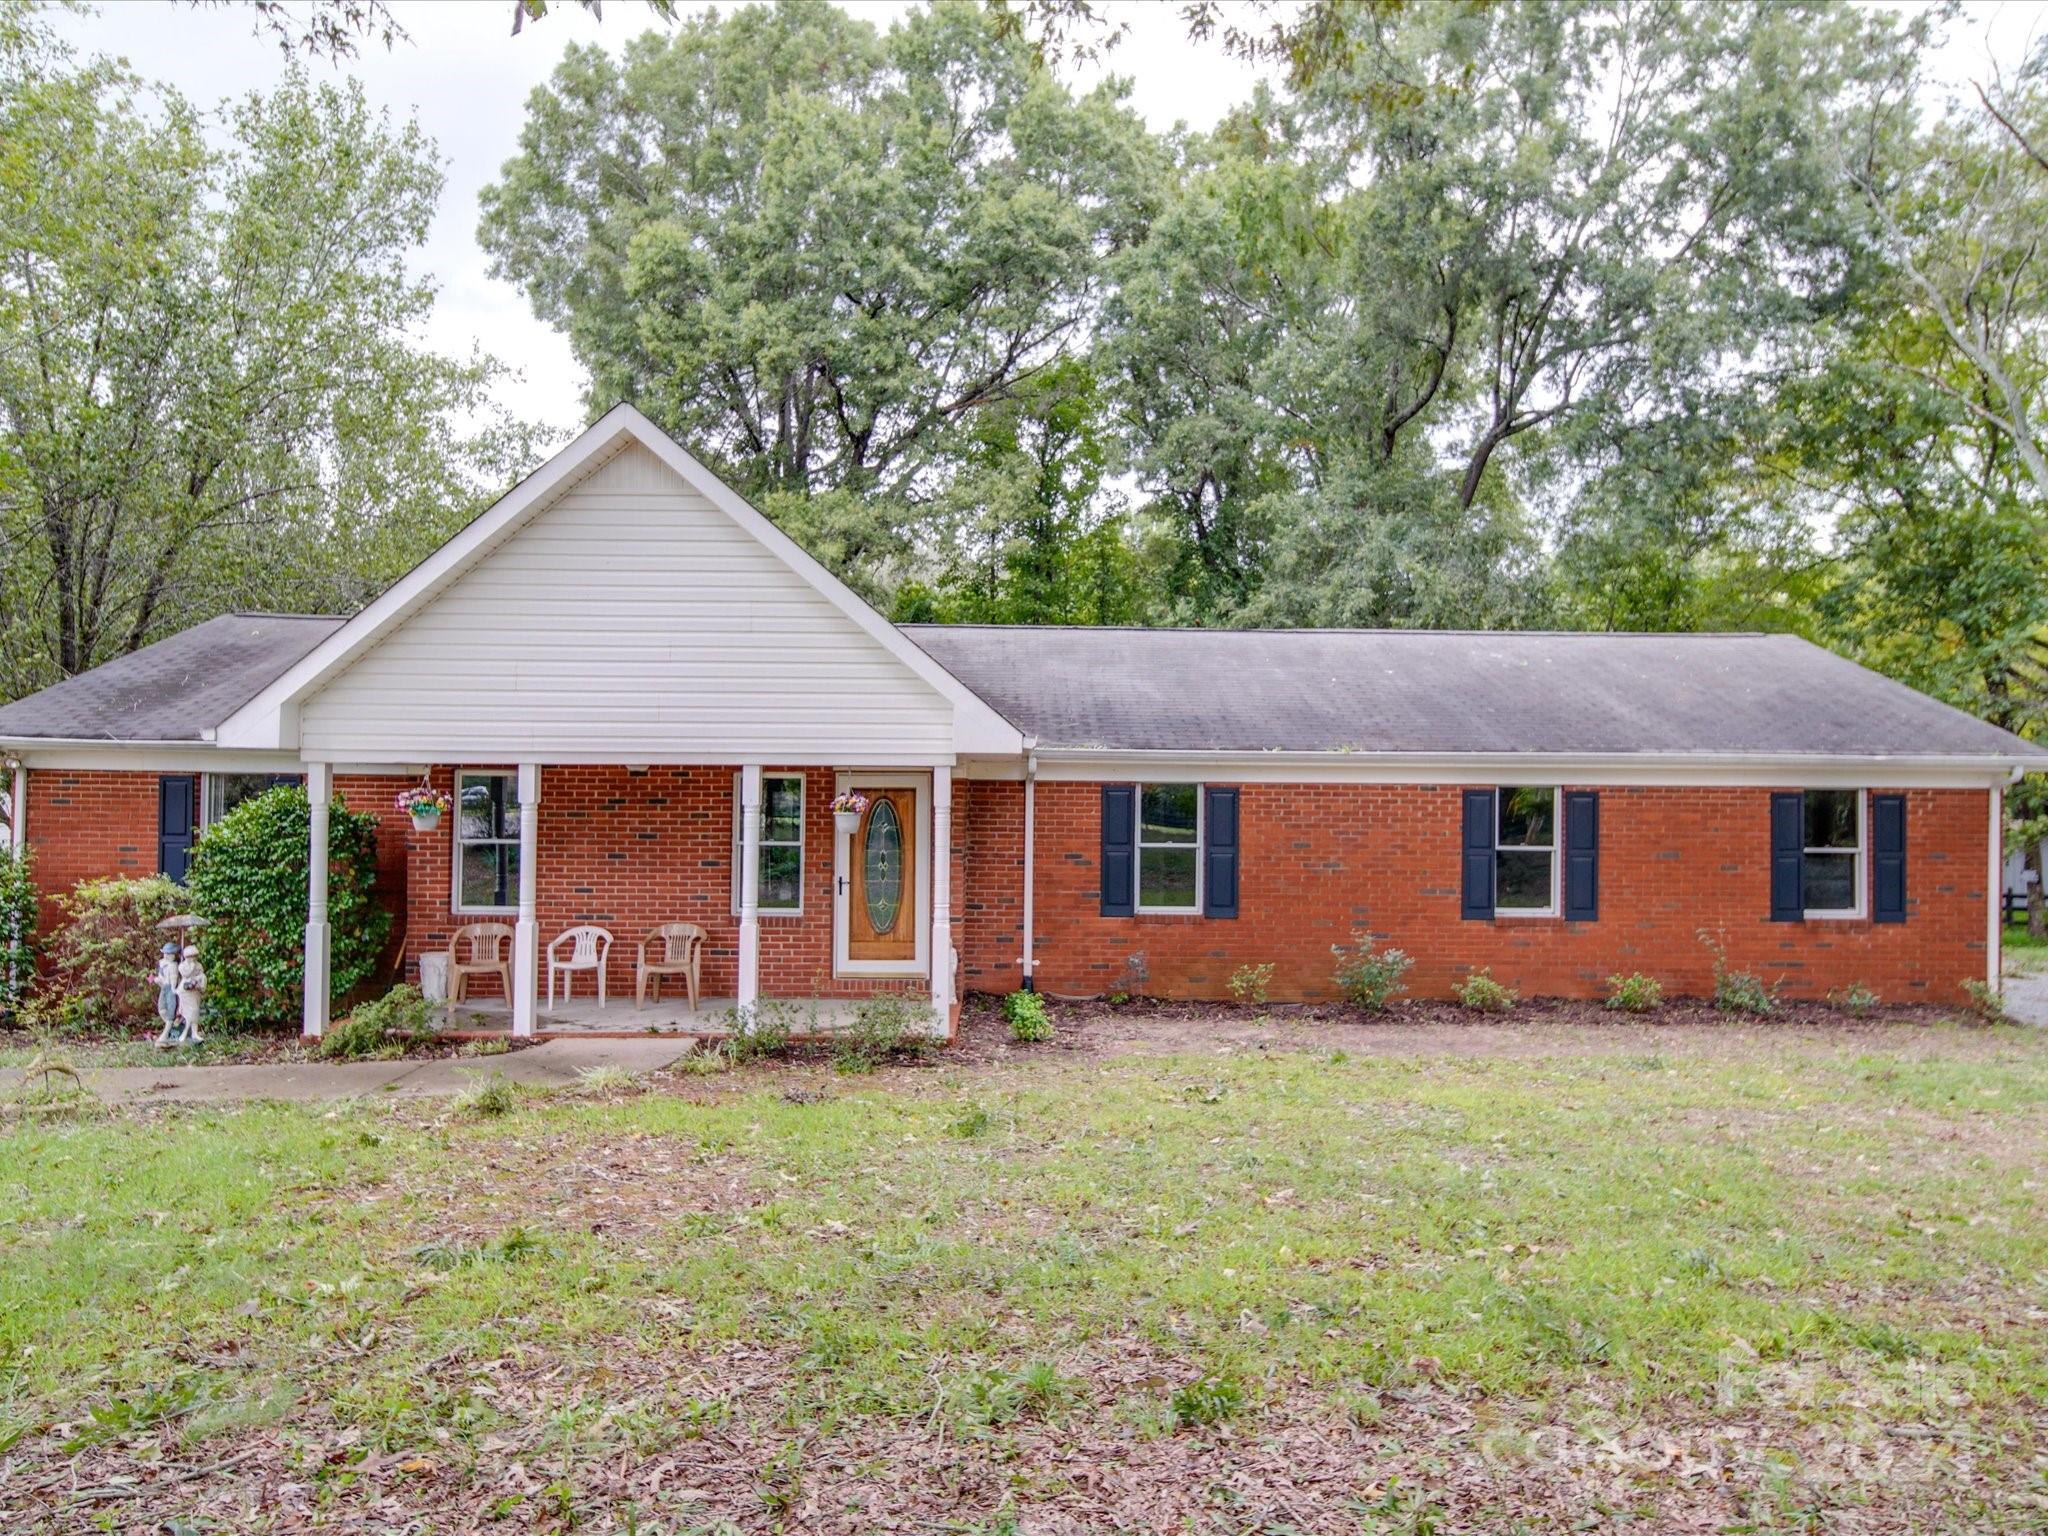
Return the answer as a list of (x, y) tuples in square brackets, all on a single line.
[(795, 916)]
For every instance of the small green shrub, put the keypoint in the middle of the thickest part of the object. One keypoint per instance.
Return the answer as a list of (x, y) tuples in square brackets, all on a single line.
[(1367, 977), (1634, 993), (1483, 994), (248, 879), (762, 1033), (1984, 1001), (1029, 1022), (1737, 991), (18, 909), (1206, 1400), (1248, 983), (1857, 1000), (885, 1025), (103, 960), (381, 1028)]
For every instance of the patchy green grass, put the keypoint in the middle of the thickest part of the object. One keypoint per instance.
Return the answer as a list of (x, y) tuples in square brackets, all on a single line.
[(895, 1297)]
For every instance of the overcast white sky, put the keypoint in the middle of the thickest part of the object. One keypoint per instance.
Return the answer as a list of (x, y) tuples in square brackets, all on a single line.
[(466, 79)]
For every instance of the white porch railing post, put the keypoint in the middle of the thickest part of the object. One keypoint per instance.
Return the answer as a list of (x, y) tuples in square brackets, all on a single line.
[(319, 795), (942, 892), (526, 934), (750, 891)]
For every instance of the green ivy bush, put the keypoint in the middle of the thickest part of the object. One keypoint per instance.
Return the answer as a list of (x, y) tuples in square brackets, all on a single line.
[(248, 879), (103, 960), (18, 911), (1029, 1022), (1367, 977)]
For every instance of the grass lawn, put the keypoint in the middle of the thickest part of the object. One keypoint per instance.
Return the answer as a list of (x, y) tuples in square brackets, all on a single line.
[(1715, 1279)]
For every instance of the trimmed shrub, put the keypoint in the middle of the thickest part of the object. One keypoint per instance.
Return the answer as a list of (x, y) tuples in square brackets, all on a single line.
[(248, 879), (103, 960), (1634, 993), (1029, 1022), (1984, 1001), (382, 1028), (1857, 1000), (18, 910), (1483, 994), (1367, 977)]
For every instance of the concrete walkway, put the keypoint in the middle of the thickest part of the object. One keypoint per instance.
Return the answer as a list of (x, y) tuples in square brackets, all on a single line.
[(551, 1064), (2026, 996)]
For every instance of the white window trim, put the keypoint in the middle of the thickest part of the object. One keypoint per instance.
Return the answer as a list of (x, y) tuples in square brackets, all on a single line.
[(1854, 912), (1555, 850), (768, 913), (1139, 845), (456, 843), (205, 817)]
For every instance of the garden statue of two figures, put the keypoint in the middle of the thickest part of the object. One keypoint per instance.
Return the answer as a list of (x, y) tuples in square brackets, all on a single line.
[(180, 984)]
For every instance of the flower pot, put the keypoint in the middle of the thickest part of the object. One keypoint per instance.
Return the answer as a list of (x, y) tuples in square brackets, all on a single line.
[(847, 822), (425, 821)]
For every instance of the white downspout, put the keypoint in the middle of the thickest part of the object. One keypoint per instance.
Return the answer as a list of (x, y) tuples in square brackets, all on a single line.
[(17, 809), (1025, 963), (1995, 892)]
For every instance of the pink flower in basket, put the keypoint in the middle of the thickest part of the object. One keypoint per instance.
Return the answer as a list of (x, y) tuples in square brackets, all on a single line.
[(422, 803)]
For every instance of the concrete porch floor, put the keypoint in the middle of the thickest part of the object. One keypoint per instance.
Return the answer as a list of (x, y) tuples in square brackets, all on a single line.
[(582, 1016)]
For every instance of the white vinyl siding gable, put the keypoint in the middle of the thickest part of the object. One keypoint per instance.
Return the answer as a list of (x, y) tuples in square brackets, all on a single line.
[(630, 616)]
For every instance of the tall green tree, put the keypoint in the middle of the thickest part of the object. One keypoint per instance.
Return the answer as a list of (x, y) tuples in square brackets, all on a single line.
[(814, 251), (209, 392)]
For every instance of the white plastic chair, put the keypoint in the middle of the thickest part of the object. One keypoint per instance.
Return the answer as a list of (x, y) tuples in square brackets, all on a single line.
[(592, 946)]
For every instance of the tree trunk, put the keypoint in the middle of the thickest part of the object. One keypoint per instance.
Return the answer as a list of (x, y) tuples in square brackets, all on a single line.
[(2037, 898)]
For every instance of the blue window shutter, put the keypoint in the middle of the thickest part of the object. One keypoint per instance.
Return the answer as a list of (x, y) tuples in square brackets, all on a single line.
[(1582, 856), (1788, 857), (177, 821), (1478, 859), (1119, 848), (1888, 858), (1219, 853)]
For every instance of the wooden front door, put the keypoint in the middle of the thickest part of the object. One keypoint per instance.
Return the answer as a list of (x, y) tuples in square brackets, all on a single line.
[(881, 919)]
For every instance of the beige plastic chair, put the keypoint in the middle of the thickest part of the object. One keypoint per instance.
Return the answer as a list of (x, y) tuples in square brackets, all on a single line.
[(682, 947), (590, 947), (488, 956)]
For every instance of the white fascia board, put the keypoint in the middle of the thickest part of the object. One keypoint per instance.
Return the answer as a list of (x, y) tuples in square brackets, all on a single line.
[(270, 719), (1705, 769), (471, 756), (146, 757)]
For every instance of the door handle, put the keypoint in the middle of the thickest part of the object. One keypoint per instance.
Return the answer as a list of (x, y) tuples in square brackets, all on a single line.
[(842, 885)]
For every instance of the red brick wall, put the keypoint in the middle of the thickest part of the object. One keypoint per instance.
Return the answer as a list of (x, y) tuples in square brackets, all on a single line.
[(88, 825), (629, 850), (1320, 860)]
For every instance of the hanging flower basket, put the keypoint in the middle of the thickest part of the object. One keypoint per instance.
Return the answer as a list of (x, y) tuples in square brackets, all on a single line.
[(424, 806), (847, 811)]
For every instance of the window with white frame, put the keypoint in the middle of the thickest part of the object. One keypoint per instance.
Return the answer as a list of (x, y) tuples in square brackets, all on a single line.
[(225, 791), (486, 842), (782, 843), (1525, 850), (1833, 852), (1169, 848)]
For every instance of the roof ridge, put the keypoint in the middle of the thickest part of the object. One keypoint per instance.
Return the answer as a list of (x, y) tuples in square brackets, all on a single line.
[(268, 613)]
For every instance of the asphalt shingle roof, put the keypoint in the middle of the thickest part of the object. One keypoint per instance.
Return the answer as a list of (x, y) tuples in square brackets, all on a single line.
[(172, 690), (1432, 691)]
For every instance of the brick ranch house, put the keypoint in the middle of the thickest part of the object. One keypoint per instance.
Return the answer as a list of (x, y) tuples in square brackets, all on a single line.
[(643, 697)]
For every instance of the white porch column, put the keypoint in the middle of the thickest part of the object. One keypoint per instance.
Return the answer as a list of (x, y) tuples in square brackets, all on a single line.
[(319, 795), (17, 809), (750, 890), (942, 892), (526, 933)]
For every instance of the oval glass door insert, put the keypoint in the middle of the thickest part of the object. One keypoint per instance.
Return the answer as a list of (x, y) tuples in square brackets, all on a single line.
[(882, 867)]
